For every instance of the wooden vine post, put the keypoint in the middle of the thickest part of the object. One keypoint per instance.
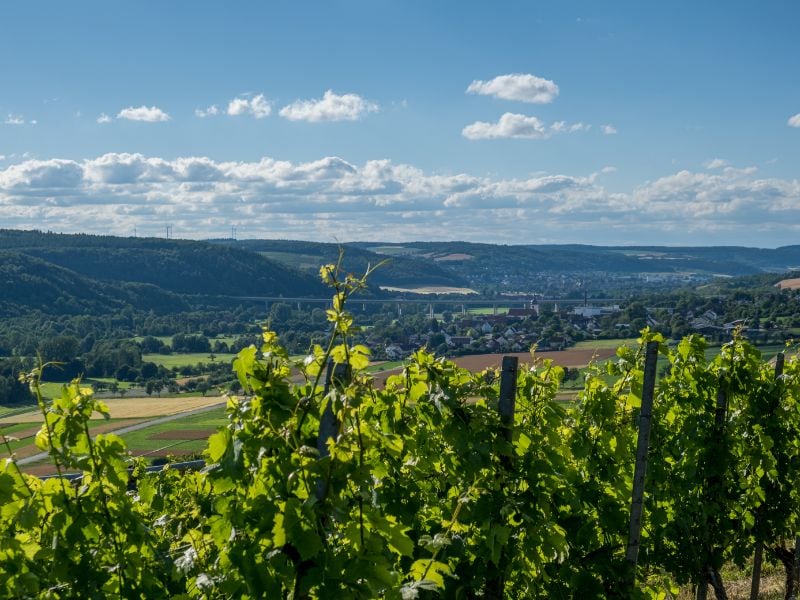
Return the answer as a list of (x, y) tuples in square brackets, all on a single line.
[(640, 469), (506, 406), (758, 555), (709, 575), (507, 403), (338, 376)]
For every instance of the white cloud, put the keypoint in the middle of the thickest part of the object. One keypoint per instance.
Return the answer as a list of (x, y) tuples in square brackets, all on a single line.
[(321, 199), (608, 129), (564, 127), (513, 125), (510, 125), (517, 86), (715, 163), (103, 119), (331, 107), (14, 120), (794, 121), (211, 111), (151, 114), (257, 106)]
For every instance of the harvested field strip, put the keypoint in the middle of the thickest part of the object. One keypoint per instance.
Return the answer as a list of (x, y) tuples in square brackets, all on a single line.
[(789, 284), (563, 358), (573, 358), (26, 446), (135, 408), (188, 359), (613, 343)]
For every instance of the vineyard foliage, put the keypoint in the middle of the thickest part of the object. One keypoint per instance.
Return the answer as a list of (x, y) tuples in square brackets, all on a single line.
[(417, 492)]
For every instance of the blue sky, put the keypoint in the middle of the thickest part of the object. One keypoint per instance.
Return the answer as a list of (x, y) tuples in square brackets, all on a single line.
[(515, 122)]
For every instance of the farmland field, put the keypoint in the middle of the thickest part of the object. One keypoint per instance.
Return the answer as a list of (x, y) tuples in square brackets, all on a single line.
[(24, 446), (134, 408), (186, 360), (565, 358), (609, 343), (181, 436)]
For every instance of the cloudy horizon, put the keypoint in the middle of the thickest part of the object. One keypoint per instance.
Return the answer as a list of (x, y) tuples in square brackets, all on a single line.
[(623, 125)]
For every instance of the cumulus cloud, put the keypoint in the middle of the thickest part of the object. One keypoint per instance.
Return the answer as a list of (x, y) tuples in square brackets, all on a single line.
[(517, 86), (255, 106), (211, 111), (513, 125), (148, 114), (103, 119), (608, 129), (794, 121), (331, 107), (331, 197)]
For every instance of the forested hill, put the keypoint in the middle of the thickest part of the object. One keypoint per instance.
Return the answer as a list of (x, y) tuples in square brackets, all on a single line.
[(177, 266), (397, 271), (28, 283)]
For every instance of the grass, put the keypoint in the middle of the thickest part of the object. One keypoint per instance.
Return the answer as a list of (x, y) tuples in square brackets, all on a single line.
[(768, 351), (8, 411), (393, 250), (610, 343), (297, 261), (385, 366), (186, 360), (52, 389), (487, 310), (16, 427), (142, 441)]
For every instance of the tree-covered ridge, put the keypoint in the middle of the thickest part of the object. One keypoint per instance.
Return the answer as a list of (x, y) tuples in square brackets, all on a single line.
[(335, 489), (31, 284), (310, 256), (179, 266)]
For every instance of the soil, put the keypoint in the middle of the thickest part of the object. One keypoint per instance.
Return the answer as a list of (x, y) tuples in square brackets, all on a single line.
[(478, 362), (789, 284)]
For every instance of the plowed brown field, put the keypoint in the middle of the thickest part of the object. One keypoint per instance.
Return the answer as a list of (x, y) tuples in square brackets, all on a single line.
[(571, 358)]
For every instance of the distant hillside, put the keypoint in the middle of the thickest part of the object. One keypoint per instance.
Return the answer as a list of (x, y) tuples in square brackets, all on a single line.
[(475, 262), (178, 266), (728, 260), (308, 256), (71, 274), (28, 283)]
